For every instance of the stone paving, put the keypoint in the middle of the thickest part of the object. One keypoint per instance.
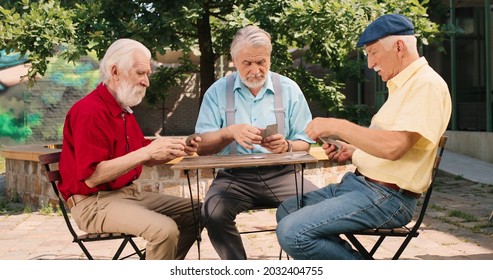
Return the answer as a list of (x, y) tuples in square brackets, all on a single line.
[(456, 227)]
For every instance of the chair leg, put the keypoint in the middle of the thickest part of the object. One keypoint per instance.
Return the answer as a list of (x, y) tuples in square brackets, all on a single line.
[(84, 249), (120, 249), (377, 244), (362, 250), (402, 247), (280, 255), (138, 251)]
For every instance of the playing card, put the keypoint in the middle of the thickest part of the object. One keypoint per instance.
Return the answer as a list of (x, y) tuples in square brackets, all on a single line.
[(269, 130), (331, 141)]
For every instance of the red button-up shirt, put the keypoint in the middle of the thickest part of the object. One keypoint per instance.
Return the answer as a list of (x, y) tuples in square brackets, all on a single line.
[(97, 129)]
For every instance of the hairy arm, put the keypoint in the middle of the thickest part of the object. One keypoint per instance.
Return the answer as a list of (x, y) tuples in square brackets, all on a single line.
[(160, 150), (391, 145)]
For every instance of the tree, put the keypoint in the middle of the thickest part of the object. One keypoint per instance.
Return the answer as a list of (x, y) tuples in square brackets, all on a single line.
[(325, 30)]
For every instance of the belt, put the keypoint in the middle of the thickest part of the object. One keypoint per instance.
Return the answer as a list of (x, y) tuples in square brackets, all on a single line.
[(75, 199), (389, 185)]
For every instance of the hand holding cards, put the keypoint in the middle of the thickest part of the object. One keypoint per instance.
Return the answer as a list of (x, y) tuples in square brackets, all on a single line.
[(269, 131), (331, 141), (189, 139)]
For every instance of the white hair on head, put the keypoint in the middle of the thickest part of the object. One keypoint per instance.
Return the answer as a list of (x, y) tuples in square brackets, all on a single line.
[(120, 53), (409, 40), (252, 36)]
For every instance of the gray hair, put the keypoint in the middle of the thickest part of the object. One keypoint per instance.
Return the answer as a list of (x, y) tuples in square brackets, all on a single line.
[(250, 35), (120, 53), (409, 40)]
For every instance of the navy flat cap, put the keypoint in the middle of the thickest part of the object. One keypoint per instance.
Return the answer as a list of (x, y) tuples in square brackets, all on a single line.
[(392, 24)]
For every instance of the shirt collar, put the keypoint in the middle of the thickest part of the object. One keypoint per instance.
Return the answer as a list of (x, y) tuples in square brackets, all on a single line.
[(111, 102), (400, 79)]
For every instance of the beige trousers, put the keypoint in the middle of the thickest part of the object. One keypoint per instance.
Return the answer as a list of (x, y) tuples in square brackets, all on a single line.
[(165, 222)]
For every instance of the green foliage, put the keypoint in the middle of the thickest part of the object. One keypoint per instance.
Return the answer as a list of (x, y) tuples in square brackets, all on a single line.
[(40, 29), (46, 208), (28, 209), (326, 30), (357, 113), (329, 30), (462, 215), (328, 96), (9, 208)]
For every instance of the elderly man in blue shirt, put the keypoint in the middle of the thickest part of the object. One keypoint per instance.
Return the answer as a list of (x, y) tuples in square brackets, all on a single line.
[(239, 115)]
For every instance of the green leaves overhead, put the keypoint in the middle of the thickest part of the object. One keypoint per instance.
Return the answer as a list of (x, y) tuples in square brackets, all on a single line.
[(39, 31), (325, 30)]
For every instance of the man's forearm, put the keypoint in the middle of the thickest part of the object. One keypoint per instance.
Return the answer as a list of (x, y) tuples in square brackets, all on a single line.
[(213, 142), (300, 145), (109, 170)]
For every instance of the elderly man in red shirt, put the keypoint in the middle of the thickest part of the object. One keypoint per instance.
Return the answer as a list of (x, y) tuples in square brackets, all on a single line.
[(103, 152)]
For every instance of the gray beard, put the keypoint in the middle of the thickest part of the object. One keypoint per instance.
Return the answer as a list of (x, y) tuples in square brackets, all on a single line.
[(129, 96), (253, 84)]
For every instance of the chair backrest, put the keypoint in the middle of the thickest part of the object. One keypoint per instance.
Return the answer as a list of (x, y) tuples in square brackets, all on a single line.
[(50, 162), (406, 232), (436, 165)]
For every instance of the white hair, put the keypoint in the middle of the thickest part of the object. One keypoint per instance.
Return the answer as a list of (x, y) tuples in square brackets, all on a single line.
[(120, 53), (252, 36), (409, 40)]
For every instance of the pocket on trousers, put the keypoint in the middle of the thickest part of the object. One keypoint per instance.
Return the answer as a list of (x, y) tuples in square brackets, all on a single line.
[(400, 218)]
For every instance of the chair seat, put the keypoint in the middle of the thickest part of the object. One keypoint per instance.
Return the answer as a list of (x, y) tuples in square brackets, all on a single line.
[(402, 231), (103, 236)]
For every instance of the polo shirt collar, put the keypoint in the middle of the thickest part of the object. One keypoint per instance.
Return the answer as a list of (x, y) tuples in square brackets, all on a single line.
[(111, 102), (400, 79)]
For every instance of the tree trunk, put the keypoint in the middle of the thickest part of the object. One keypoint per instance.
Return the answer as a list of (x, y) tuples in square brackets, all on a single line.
[(207, 56)]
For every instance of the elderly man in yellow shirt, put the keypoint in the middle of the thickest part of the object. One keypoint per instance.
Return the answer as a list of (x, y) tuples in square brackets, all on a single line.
[(394, 155)]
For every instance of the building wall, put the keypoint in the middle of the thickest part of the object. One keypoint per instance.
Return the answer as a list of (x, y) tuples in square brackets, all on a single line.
[(179, 111), (473, 144)]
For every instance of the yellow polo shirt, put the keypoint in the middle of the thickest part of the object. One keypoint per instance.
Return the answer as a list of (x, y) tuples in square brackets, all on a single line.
[(419, 101)]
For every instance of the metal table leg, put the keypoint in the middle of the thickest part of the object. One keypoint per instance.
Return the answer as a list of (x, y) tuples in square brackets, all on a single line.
[(196, 220)]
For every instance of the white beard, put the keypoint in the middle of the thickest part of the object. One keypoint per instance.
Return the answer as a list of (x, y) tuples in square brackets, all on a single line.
[(253, 84), (129, 96)]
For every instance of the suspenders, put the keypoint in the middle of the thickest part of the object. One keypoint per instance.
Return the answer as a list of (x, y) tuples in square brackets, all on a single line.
[(230, 106)]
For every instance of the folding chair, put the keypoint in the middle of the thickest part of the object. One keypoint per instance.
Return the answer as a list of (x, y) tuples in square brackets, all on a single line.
[(406, 232), (50, 161)]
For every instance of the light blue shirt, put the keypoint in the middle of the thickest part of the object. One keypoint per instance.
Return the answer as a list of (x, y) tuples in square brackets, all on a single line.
[(257, 110)]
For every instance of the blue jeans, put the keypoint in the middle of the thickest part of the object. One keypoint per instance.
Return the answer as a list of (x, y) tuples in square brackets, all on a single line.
[(312, 232)]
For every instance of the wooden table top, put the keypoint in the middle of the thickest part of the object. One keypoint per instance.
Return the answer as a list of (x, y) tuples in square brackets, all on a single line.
[(245, 160)]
